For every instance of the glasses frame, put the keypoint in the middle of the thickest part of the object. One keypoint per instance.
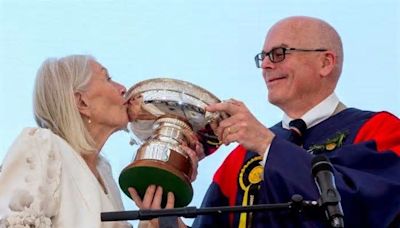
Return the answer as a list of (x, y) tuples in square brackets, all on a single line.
[(259, 58)]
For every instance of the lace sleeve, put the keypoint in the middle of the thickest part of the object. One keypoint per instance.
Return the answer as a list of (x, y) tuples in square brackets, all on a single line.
[(29, 180)]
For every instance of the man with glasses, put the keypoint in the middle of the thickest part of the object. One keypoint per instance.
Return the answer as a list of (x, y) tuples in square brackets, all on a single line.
[(301, 63)]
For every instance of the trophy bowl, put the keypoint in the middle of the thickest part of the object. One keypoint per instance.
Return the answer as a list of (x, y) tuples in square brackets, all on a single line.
[(168, 113)]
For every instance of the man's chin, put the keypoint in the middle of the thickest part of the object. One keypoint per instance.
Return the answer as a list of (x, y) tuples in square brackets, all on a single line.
[(273, 99)]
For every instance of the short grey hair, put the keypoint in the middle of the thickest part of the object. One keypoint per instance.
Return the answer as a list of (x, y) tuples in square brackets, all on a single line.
[(54, 103)]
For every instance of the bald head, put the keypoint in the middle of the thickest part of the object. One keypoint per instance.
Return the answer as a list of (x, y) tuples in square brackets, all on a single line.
[(288, 80), (308, 32)]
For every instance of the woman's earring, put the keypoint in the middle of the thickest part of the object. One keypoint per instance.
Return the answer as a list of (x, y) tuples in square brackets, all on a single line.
[(89, 121)]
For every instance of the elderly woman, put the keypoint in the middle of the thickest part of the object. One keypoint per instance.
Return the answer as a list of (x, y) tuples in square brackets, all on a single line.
[(54, 175)]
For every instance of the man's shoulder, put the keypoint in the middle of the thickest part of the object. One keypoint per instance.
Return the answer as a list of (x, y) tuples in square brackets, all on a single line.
[(350, 116), (355, 112)]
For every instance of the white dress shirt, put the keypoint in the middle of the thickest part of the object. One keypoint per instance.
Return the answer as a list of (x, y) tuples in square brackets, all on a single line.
[(314, 116)]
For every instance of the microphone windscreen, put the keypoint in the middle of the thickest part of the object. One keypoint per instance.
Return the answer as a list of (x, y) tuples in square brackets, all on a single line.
[(320, 163)]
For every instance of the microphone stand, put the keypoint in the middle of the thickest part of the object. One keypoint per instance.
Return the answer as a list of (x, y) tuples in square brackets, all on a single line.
[(297, 204)]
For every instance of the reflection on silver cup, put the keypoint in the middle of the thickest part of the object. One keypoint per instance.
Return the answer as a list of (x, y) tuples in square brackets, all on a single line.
[(168, 113)]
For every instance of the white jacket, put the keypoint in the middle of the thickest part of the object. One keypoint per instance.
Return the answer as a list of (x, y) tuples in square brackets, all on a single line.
[(45, 183)]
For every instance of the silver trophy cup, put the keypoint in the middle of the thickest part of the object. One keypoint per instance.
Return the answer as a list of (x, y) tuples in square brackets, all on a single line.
[(168, 113)]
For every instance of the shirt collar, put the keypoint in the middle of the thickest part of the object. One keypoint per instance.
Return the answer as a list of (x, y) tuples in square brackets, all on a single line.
[(317, 114)]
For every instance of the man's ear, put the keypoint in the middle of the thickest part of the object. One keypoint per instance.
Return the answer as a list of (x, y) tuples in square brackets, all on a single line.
[(82, 104), (328, 61)]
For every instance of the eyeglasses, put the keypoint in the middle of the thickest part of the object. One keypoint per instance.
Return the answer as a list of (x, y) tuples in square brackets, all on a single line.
[(277, 54)]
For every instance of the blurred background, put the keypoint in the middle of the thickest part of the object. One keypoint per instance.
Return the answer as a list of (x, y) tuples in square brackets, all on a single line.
[(208, 43)]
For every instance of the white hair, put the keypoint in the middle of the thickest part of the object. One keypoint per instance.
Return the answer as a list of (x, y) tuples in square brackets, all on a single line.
[(54, 103)]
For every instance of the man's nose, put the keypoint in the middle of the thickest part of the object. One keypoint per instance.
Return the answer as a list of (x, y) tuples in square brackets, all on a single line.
[(267, 63)]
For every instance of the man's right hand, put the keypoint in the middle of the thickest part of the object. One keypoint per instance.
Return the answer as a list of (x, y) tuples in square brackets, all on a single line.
[(241, 126)]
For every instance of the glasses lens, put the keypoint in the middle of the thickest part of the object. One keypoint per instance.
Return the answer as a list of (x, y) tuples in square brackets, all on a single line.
[(259, 58), (277, 55)]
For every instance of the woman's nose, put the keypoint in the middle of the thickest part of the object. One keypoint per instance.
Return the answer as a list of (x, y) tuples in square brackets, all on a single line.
[(121, 89)]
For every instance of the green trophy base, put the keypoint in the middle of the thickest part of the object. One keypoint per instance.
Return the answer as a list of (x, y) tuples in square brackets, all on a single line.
[(141, 174)]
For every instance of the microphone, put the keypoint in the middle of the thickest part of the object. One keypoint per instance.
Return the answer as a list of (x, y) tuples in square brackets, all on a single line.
[(322, 171)]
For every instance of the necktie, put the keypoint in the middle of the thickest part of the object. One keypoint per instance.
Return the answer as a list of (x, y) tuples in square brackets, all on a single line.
[(297, 129)]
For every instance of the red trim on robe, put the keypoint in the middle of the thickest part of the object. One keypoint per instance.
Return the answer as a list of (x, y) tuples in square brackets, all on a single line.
[(226, 176), (384, 129)]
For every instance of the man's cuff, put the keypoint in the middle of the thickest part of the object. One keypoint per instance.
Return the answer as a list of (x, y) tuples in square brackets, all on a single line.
[(265, 155)]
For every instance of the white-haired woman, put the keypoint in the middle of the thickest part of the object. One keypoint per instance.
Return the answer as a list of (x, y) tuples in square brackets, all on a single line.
[(53, 175)]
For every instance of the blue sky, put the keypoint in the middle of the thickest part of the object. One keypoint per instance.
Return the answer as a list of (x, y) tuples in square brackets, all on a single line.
[(209, 43)]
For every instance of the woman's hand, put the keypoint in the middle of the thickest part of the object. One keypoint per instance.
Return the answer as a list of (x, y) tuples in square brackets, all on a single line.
[(151, 200)]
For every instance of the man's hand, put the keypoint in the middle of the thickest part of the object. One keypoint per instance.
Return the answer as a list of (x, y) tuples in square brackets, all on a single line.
[(195, 156), (241, 126)]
